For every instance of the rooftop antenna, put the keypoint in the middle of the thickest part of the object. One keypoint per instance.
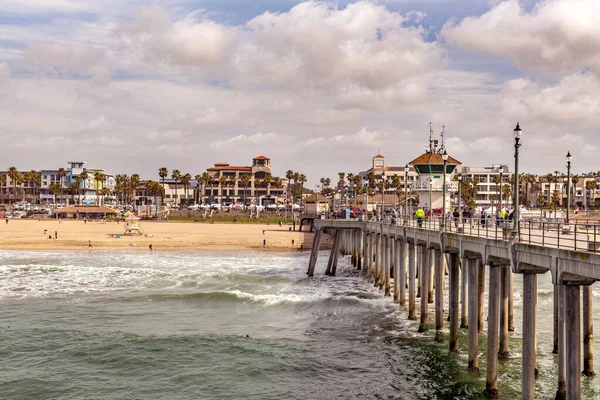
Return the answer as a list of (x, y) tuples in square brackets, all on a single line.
[(430, 139), (443, 146)]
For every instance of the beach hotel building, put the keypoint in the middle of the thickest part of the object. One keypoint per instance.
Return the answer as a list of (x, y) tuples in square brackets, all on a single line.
[(234, 191)]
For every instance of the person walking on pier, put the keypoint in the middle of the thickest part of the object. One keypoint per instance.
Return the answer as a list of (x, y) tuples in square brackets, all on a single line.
[(420, 214), (456, 216)]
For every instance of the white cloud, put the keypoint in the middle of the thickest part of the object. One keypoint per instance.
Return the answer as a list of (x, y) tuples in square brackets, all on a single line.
[(557, 36), (76, 58), (574, 99), (257, 139)]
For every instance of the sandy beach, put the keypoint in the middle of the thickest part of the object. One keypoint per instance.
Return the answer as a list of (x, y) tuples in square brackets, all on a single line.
[(75, 235)]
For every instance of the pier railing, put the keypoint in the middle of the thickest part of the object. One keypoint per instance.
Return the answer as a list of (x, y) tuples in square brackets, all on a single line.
[(569, 236)]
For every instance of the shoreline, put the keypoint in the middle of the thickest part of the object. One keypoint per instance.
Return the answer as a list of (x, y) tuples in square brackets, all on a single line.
[(74, 235)]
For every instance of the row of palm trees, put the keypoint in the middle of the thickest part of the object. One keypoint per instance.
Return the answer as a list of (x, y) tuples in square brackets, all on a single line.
[(206, 181)]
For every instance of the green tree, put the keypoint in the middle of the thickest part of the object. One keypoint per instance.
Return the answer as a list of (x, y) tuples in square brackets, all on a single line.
[(176, 176), (99, 177), (163, 172), (185, 181)]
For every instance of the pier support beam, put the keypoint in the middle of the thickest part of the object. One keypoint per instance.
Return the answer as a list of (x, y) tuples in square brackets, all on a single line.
[(314, 252), (424, 260), (529, 335), (403, 255), (439, 293), (503, 350), (378, 274), (481, 292), (454, 284), (336, 252), (588, 332), (430, 270), (511, 301), (332, 255), (359, 249), (573, 338), (464, 284), (386, 265), (473, 269), (555, 319), (491, 378), (561, 392), (412, 315), (396, 258)]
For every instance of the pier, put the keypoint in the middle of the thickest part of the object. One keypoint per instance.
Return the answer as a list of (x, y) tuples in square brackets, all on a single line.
[(382, 250)]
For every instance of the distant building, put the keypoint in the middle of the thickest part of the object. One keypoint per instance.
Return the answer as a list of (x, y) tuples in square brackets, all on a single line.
[(485, 179), (233, 190)]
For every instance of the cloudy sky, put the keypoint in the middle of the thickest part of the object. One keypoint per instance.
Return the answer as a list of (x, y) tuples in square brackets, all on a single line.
[(320, 87)]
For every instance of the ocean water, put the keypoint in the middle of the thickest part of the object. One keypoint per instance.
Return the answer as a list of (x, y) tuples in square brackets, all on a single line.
[(215, 325)]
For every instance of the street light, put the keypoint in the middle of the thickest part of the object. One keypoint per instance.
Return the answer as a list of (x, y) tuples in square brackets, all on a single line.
[(460, 178), (516, 226), (501, 170), (406, 192), (445, 158), (569, 159)]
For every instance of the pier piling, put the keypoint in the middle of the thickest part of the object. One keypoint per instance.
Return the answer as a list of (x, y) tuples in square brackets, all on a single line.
[(454, 286), (473, 268)]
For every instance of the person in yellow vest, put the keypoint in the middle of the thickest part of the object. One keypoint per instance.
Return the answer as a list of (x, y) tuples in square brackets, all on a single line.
[(503, 214), (420, 214)]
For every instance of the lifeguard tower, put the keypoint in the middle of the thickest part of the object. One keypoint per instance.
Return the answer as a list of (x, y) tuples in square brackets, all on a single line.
[(132, 226), (430, 182)]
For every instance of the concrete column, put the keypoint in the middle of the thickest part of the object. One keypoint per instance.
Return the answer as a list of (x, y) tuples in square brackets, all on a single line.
[(431, 268), (314, 252), (561, 392), (464, 306), (336, 239), (386, 264), (511, 301), (454, 289), (361, 246), (588, 332), (555, 319), (352, 243), (491, 377), (473, 267), (419, 275), (377, 246), (573, 345), (336, 251), (481, 291), (529, 335), (424, 260), (365, 253), (503, 351), (403, 254), (439, 292), (411, 282), (396, 258)]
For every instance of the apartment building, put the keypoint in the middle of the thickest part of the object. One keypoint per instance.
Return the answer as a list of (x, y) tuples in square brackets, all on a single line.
[(486, 178)]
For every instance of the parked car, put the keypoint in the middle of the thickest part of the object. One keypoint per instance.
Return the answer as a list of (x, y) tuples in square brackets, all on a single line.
[(437, 212)]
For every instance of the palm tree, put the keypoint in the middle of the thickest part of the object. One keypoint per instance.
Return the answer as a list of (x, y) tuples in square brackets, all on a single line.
[(62, 174), (245, 180), (591, 187), (84, 176), (185, 181), (296, 178), (98, 177), (163, 172), (134, 182), (73, 188), (104, 192), (341, 181), (55, 187), (574, 180), (289, 174), (302, 179), (15, 177), (176, 176), (205, 179), (198, 179), (222, 180), (267, 180)]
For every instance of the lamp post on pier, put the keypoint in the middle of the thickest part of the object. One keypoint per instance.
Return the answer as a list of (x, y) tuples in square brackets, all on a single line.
[(569, 159), (501, 170), (442, 223), (516, 226), (406, 192), (460, 178)]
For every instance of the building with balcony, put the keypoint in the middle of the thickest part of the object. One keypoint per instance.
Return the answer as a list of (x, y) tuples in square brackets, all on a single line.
[(227, 184), (487, 183)]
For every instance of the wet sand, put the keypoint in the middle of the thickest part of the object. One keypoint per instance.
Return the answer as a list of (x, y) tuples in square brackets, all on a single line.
[(74, 235)]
